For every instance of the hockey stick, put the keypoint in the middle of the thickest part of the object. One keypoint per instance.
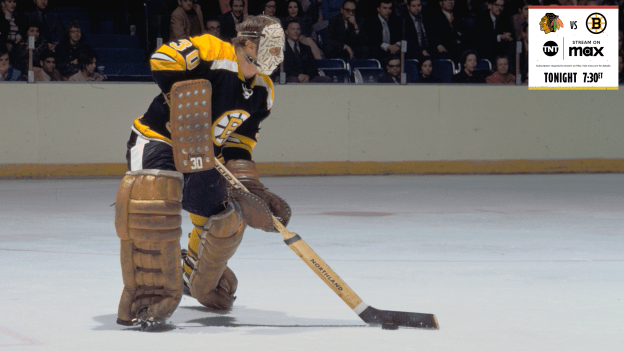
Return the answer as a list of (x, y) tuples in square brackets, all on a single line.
[(369, 314)]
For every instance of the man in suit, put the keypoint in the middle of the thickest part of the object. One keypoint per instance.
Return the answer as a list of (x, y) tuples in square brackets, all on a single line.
[(230, 19), (447, 35), (345, 37), (493, 32), (383, 32), (186, 21), (417, 29), (298, 59)]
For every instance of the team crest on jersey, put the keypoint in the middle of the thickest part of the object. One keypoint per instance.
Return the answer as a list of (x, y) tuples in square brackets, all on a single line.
[(227, 124)]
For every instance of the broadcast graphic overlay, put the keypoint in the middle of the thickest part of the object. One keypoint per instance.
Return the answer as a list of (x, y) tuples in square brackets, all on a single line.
[(573, 47)]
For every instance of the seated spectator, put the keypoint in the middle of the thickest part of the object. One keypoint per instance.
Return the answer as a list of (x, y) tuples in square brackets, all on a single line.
[(48, 19), (86, 62), (8, 73), (345, 37), (447, 36), (268, 8), (47, 72), (393, 71), (467, 74), (295, 13), (230, 19), (417, 29), (425, 67), (298, 60), (186, 21), (13, 34), (19, 55), (520, 19), (524, 55), (501, 75), (383, 32), (493, 32), (69, 48), (213, 27)]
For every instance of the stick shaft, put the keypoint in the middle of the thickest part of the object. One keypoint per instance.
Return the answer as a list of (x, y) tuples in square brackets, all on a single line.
[(307, 255)]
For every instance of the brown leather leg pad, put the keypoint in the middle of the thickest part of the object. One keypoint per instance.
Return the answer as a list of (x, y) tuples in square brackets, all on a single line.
[(147, 219), (219, 240)]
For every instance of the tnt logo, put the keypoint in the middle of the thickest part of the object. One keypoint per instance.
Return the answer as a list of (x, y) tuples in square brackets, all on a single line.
[(586, 51), (551, 48), (596, 23)]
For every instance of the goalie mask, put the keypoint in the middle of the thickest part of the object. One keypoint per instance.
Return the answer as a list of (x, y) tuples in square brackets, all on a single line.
[(270, 49)]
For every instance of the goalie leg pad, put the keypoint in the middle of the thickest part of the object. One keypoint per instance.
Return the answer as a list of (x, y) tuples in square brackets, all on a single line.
[(148, 223), (212, 243)]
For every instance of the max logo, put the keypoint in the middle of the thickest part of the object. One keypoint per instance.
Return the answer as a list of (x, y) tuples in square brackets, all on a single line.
[(586, 51), (550, 23)]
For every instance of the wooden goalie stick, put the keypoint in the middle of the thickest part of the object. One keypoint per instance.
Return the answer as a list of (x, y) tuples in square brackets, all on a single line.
[(369, 314)]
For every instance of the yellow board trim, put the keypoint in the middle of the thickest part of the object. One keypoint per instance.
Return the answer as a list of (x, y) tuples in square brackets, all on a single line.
[(592, 165)]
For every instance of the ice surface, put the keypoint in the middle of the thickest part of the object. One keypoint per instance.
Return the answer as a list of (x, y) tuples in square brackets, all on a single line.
[(531, 262)]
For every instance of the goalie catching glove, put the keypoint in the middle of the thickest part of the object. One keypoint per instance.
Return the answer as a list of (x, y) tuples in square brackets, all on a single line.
[(245, 171)]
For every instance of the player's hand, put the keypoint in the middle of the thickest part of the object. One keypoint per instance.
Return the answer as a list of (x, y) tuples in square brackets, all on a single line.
[(303, 78)]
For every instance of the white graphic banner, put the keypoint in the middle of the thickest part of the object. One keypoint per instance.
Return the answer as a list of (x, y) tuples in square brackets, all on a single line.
[(573, 47)]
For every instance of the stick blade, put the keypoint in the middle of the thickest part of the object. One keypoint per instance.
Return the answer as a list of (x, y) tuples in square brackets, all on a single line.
[(395, 319)]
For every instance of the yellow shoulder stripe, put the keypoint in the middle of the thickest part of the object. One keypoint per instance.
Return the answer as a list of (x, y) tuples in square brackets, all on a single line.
[(148, 133), (167, 59), (267, 83), (212, 48)]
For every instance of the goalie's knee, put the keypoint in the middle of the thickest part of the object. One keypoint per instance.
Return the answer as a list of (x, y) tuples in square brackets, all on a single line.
[(148, 223), (212, 243)]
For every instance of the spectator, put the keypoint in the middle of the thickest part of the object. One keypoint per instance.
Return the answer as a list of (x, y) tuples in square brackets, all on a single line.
[(400, 8), (68, 50), (493, 32), (87, 73), (268, 8), (344, 37), (467, 74), (501, 75), (310, 10), (20, 55), (332, 8), (230, 19), (524, 55), (383, 32), (295, 13), (425, 68), (48, 71), (298, 59), (5, 28), (49, 22), (417, 29), (520, 19), (213, 27), (186, 21), (447, 37), (13, 34), (8, 73), (393, 71)]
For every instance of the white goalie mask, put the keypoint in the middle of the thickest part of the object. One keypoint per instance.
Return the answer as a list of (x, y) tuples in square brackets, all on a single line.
[(270, 48)]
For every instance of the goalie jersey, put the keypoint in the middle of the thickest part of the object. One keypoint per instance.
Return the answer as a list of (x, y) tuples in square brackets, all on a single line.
[(238, 104)]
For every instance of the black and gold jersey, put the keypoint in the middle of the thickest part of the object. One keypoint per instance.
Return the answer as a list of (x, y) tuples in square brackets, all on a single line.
[(238, 105)]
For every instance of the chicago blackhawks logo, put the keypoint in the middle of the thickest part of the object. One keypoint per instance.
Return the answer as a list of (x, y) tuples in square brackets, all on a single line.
[(227, 124), (550, 23)]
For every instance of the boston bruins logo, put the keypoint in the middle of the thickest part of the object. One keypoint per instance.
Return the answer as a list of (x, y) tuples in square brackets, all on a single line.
[(227, 124)]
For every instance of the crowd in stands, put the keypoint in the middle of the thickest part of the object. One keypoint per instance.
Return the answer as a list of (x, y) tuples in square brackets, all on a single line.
[(476, 38)]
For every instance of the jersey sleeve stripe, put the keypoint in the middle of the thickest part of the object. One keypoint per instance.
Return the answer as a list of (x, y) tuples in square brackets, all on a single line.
[(167, 59), (148, 133), (241, 141)]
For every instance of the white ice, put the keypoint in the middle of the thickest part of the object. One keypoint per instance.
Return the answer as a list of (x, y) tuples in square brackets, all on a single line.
[(514, 262)]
